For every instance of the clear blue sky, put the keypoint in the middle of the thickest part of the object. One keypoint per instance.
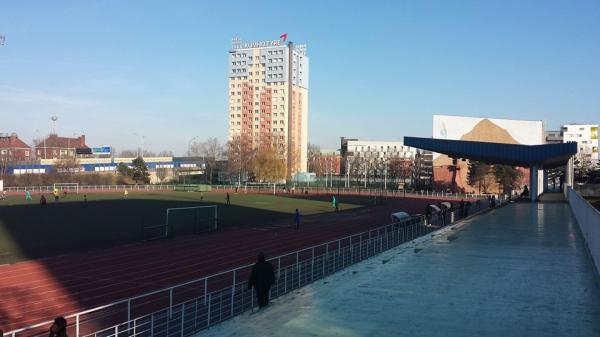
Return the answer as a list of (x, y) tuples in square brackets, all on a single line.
[(379, 69)]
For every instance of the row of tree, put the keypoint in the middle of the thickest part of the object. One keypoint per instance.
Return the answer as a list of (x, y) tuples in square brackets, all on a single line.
[(483, 176)]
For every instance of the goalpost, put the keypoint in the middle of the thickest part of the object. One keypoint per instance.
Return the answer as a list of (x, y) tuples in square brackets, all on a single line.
[(191, 220), (71, 187)]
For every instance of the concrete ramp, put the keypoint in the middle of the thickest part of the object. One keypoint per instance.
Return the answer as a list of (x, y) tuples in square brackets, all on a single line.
[(517, 271)]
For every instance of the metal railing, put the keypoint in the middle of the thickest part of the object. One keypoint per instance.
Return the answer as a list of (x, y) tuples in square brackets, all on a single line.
[(343, 190), (84, 188), (186, 308)]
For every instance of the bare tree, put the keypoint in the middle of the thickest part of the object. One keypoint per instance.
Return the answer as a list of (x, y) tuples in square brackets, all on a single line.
[(128, 154), (162, 173), (211, 151), (165, 153), (239, 155)]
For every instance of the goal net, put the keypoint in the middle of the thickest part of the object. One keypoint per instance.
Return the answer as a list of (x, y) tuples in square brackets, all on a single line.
[(190, 220), (69, 187)]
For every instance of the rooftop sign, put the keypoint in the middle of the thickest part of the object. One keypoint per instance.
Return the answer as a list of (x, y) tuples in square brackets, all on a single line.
[(236, 43)]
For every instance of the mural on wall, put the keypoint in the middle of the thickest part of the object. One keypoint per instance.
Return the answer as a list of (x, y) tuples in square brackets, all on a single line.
[(483, 130)]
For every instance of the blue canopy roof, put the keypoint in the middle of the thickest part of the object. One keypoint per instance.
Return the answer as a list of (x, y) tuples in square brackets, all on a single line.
[(544, 155)]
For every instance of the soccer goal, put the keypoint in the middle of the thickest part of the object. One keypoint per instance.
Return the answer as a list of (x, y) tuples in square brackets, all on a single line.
[(191, 220), (69, 187)]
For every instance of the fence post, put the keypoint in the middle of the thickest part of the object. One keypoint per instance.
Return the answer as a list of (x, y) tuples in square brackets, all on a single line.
[(205, 288), (182, 316), (209, 307), (233, 292), (171, 303), (312, 265)]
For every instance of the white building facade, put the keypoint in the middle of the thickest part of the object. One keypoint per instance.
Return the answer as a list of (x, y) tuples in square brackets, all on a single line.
[(586, 136)]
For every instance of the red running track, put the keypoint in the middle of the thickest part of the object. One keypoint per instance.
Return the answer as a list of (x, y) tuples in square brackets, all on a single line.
[(36, 291)]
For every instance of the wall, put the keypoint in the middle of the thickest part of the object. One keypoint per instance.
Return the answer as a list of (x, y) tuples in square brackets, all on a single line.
[(481, 129), (588, 219)]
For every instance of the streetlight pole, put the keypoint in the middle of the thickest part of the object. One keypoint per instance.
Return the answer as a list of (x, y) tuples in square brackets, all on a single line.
[(189, 153)]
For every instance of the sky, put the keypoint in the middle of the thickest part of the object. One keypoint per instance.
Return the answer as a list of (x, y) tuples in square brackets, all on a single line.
[(127, 72)]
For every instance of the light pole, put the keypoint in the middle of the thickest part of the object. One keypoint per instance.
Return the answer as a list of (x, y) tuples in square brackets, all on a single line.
[(189, 153)]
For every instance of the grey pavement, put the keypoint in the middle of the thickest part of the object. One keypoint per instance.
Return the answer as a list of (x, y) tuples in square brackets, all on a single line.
[(522, 270)]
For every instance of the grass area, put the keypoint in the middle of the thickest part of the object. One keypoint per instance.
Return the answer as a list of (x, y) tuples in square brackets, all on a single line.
[(29, 230)]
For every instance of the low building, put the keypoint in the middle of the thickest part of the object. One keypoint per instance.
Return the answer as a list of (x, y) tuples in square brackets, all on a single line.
[(13, 149), (325, 162), (586, 136), (381, 159)]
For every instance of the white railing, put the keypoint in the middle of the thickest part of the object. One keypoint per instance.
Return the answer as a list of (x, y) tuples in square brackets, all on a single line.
[(343, 190), (84, 188), (588, 218), (189, 307)]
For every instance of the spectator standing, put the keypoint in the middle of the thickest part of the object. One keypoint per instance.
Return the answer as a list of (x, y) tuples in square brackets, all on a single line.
[(228, 199), (58, 328), (262, 278), (297, 219)]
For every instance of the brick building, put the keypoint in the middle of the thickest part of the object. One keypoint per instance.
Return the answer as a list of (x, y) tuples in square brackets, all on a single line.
[(55, 147), (14, 149)]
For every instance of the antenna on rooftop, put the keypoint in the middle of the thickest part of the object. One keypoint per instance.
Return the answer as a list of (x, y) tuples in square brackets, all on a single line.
[(54, 119)]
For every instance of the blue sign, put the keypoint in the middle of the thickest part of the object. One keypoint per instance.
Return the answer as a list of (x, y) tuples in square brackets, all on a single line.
[(101, 150)]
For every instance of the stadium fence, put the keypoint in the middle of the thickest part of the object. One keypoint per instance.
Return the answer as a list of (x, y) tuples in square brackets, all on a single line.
[(84, 188), (187, 308)]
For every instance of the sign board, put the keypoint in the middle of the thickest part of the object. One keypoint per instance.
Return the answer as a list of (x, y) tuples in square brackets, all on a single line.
[(236, 43), (104, 150)]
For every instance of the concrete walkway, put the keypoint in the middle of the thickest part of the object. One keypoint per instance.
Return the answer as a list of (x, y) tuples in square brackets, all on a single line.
[(517, 271)]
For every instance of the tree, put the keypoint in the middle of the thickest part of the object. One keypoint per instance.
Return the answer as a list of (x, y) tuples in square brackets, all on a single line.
[(399, 169), (239, 158), (65, 169), (139, 171), (165, 153), (268, 165), (161, 174), (313, 153), (211, 151), (124, 170), (480, 175), (507, 177), (583, 166), (128, 154)]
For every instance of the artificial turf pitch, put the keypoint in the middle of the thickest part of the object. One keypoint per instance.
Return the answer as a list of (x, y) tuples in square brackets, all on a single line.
[(29, 230)]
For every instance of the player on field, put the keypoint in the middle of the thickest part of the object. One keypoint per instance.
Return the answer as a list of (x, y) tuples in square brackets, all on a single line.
[(27, 195), (55, 192), (125, 194)]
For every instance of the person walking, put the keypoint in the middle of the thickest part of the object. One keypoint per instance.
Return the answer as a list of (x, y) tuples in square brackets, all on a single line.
[(461, 208), (297, 219), (43, 200), (27, 196), (125, 194), (58, 328), (228, 199), (262, 278), (333, 201)]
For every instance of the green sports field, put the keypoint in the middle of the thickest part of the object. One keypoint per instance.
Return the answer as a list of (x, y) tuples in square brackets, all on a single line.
[(29, 230)]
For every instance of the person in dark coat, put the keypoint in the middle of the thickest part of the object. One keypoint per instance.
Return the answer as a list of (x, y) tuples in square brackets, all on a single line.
[(297, 219), (461, 208), (58, 328), (262, 278)]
